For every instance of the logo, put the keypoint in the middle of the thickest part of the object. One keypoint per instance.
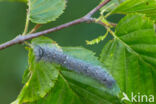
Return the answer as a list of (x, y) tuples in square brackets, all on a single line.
[(138, 98)]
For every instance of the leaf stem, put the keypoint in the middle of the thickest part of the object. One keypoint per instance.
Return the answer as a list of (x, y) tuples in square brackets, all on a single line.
[(35, 28), (26, 24)]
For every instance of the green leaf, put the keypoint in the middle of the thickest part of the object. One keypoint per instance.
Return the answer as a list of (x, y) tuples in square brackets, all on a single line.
[(60, 94), (42, 77), (74, 88), (131, 57), (90, 91), (44, 11), (26, 76), (147, 7)]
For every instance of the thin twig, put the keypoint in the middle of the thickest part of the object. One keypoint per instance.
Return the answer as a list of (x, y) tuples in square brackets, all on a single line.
[(97, 8), (21, 38)]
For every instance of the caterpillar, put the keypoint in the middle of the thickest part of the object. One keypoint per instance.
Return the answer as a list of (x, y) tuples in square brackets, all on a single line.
[(54, 55)]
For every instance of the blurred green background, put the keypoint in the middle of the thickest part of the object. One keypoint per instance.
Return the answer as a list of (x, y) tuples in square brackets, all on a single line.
[(13, 60)]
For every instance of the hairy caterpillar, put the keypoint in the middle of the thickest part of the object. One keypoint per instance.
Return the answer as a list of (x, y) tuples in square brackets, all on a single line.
[(53, 54)]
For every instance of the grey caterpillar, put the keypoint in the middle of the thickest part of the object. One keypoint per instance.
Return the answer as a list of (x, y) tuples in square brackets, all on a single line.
[(54, 55)]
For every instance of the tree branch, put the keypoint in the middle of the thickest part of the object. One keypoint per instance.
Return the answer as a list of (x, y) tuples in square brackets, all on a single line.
[(21, 38), (97, 8)]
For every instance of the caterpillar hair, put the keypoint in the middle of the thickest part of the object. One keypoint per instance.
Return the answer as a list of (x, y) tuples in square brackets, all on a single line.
[(54, 55)]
